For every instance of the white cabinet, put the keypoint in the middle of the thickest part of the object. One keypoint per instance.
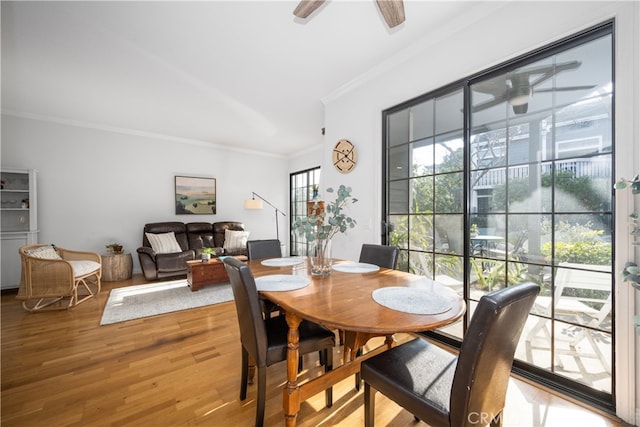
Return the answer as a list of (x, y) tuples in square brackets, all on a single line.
[(19, 220)]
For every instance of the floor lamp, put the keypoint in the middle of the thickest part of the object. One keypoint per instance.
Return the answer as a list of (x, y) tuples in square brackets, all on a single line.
[(257, 204)]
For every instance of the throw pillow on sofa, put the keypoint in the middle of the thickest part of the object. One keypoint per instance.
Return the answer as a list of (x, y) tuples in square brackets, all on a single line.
[(234, 240), (164, 243)]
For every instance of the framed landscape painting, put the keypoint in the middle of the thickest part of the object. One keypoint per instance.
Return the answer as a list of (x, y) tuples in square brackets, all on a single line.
[(195, 196)]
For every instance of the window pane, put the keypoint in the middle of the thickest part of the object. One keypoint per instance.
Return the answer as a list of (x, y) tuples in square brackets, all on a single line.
[(421, 232), (525, 192), (422, 157), (399, 234), (449, 271), (422, 120), (449, 232), (448, 193), (398, 128), (528, 234), (399, 162), (488, 149), (449, 153), (595, 74), (483, 184), (449, 114), (583, 184), (582, 239), (421, 263), (422, 194), (398, 197)]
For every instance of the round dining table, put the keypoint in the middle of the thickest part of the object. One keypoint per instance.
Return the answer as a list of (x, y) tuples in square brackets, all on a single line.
[(362, 300)]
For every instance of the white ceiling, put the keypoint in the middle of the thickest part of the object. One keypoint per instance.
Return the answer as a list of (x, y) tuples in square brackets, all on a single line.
[(246, 74)]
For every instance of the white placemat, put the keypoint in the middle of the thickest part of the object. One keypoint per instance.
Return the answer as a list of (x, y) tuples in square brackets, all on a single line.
[(282, 262), (281, 282), (411, 300), (355, 267)]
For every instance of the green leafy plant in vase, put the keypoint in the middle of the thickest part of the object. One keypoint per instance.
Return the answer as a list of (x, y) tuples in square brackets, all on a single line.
[(323, 222), (207, 253), (116, 248)]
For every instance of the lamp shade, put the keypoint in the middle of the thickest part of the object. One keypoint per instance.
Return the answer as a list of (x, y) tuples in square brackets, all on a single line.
[(253, 204)]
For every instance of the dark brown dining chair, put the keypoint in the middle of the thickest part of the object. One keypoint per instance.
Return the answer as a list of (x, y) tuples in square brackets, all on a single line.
[(443, 389), (259, 249), (265, 340), (380, 255)]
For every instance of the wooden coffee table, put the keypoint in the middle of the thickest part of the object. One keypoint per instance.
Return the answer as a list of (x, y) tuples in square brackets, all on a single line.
[(212, 272)]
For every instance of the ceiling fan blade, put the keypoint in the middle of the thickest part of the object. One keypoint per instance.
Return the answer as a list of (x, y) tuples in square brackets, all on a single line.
[(554, 69), (488, 104), (565, 89), (392, 11), (307, 7)]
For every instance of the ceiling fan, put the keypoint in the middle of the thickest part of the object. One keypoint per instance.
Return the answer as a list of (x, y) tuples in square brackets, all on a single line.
[(517, 87), (392, 10)]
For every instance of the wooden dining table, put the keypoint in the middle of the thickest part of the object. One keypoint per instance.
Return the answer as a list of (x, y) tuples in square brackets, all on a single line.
[(343, 301)]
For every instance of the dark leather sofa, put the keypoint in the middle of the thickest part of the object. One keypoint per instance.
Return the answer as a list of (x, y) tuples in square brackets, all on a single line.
[(192, 238)]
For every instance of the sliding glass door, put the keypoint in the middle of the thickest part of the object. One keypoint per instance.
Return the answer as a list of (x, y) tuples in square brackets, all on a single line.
[(506, 177)]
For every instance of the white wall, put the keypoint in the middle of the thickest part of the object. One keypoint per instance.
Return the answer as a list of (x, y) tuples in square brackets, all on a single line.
[(495, 33), (97, 186)]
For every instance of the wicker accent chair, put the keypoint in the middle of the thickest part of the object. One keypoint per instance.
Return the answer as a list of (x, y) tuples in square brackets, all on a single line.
[(52, 274)]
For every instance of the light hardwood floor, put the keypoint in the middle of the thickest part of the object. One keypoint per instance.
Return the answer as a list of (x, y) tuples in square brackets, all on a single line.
[(62, 368)]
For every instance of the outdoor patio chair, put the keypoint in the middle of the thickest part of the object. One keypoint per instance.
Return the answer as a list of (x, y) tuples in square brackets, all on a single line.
[(582, 296)]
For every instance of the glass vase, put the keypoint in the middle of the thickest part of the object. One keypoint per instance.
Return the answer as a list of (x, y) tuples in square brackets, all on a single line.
[(320, 258)]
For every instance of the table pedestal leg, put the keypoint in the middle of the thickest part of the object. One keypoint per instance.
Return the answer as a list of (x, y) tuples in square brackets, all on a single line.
[(291, 392)]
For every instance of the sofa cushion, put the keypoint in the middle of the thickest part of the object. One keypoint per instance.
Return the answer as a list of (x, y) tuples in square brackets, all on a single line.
[(219, 229), (44, 252), (164, 243), (234, 239), (200, 235)]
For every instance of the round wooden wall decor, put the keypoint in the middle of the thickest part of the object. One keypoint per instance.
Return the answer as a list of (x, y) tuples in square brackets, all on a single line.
[(344, 156)]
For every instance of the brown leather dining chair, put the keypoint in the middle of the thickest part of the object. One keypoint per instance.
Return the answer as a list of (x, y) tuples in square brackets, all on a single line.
[(265, 340), (380, 255), (259, 249), (443, 389)]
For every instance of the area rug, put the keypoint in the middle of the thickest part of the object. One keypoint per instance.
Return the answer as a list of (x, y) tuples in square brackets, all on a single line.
[(134, 302)]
